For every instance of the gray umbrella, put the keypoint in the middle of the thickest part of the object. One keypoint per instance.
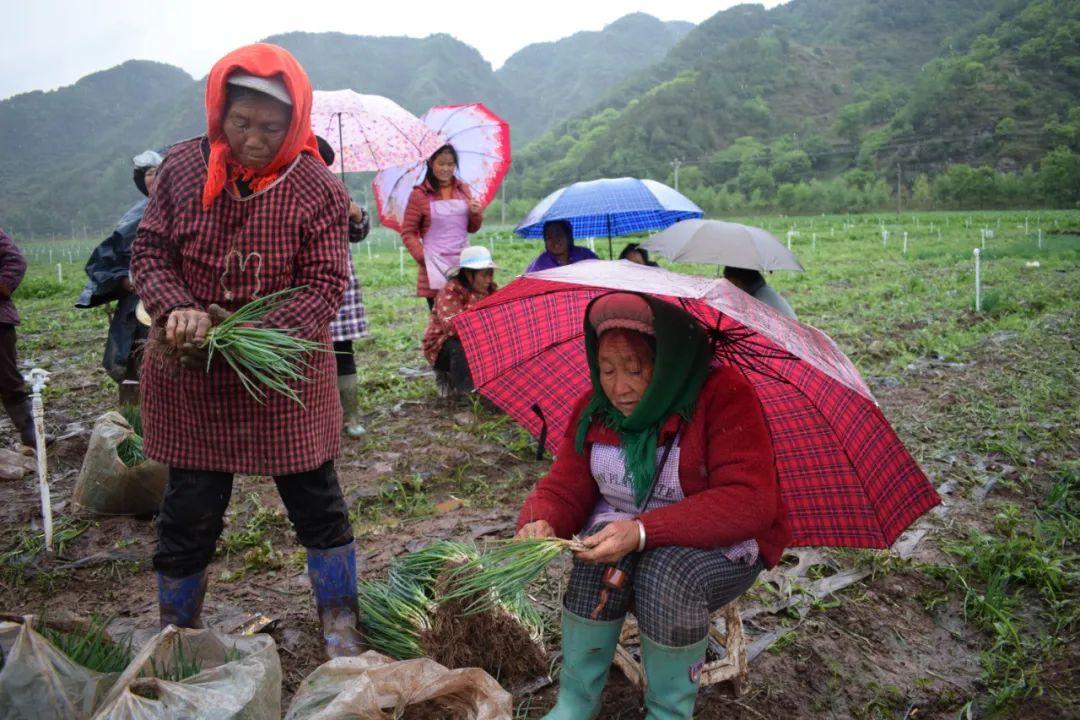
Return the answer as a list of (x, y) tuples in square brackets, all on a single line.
[(716, 242)]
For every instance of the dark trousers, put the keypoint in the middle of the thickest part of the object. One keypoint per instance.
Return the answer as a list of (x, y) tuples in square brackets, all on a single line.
[(193, 510), (12, 385), (451, 360), (343, 354), (671, 589)]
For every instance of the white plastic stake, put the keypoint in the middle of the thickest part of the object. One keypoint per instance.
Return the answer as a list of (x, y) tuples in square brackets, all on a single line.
[(368, 251), (884, 238), (939, 235), (401, 261), (37, 379), (978, 284), (1025, 227), (59, 272), (1040, 239), (50, 255), (813, 241), (905, 243), (789, 240)]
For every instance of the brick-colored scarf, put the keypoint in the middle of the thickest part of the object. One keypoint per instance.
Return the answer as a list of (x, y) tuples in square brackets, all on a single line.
[(263, 60)]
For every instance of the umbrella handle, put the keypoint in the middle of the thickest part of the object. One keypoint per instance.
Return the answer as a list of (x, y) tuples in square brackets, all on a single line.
[(542, 442)]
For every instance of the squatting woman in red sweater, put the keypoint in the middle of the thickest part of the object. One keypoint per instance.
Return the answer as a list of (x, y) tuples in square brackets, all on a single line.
[(667, 471)]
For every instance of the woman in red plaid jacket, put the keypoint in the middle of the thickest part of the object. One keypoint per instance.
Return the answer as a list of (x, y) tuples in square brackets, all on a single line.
[(667, 469), (247, 210)]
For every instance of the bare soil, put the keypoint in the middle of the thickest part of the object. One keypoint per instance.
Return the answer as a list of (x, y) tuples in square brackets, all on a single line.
[(872, 651)]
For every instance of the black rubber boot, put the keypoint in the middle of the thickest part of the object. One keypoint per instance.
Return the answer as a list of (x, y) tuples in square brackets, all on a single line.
[(22, 417)]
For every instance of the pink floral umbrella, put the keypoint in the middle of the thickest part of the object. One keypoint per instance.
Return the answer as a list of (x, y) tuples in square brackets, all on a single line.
[(482, 141), (370, 132)]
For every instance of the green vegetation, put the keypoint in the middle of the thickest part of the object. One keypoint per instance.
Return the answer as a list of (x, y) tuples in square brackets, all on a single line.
[(392, 623), (90, 647), (502, 572), (180, 665), (814, 107), (1020, 585), (130, 451), (264, 358)]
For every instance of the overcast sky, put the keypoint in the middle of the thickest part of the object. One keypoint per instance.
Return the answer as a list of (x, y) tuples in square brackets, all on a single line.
[(45, 44)]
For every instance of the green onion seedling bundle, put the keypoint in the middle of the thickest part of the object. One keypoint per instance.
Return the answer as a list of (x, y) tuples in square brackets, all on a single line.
[(180, 665), (130, 450), (420, 569), (92, 648), (263, 358), (391, 624), (502, 573)]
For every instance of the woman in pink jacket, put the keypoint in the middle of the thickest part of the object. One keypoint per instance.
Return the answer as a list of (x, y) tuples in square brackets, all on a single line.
[(438, 219)]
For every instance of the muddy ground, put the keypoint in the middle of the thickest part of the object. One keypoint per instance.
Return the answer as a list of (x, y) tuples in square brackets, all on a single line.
[(873, 650), (983, 403)]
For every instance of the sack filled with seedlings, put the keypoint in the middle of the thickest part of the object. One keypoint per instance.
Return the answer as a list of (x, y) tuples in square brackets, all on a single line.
[(375, 687), (184, 673), (116, 478), (54, 670)]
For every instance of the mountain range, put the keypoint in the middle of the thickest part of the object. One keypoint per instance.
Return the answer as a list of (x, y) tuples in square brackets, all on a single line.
[(750, 105)]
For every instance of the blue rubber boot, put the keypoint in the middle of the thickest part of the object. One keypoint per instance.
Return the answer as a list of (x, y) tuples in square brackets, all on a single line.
[(180, 600), (588, 647), (672, 676), (333, 578)]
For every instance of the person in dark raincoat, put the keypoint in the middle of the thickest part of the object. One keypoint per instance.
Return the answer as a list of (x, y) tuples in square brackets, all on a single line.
[(108, 271)]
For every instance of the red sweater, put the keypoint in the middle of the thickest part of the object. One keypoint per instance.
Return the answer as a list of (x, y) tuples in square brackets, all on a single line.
[(726, 471), (417, 221)]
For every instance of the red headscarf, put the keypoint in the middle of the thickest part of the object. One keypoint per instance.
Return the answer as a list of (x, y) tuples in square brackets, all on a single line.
[(262, 60)]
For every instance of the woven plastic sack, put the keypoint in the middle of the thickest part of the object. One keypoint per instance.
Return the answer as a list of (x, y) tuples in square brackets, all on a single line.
[(375, 687), (239, 679), (39, 682), (106, 486)]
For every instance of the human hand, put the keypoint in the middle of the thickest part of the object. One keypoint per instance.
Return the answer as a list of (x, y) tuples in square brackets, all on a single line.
[(474, 206), (194, 355), (615, 541), (355, 213), (187, 326), (125, 284), (536, 529)]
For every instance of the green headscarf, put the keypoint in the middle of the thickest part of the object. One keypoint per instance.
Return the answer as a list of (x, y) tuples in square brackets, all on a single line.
[(683, 354)]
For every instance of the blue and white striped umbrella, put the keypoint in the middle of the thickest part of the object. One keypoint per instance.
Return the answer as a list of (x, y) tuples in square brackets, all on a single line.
[(610, 207)]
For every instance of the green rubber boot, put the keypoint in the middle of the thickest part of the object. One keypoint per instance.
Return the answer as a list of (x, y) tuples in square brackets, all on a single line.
[(672, 675), (588, 647)]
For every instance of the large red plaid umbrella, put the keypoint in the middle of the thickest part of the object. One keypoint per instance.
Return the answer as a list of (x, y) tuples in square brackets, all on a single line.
[(845, 477)]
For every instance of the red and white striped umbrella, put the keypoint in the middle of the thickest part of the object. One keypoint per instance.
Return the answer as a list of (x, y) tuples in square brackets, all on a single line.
[(482, 141)]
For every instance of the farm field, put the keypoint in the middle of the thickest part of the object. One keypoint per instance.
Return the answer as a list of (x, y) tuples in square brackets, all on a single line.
[(976, 616)]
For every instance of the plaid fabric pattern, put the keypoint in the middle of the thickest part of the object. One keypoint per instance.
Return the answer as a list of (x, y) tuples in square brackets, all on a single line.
[(451, 300), (608, 466), (351, 321), (844, 476), (290, 235), (672, 590), (609, 208)]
